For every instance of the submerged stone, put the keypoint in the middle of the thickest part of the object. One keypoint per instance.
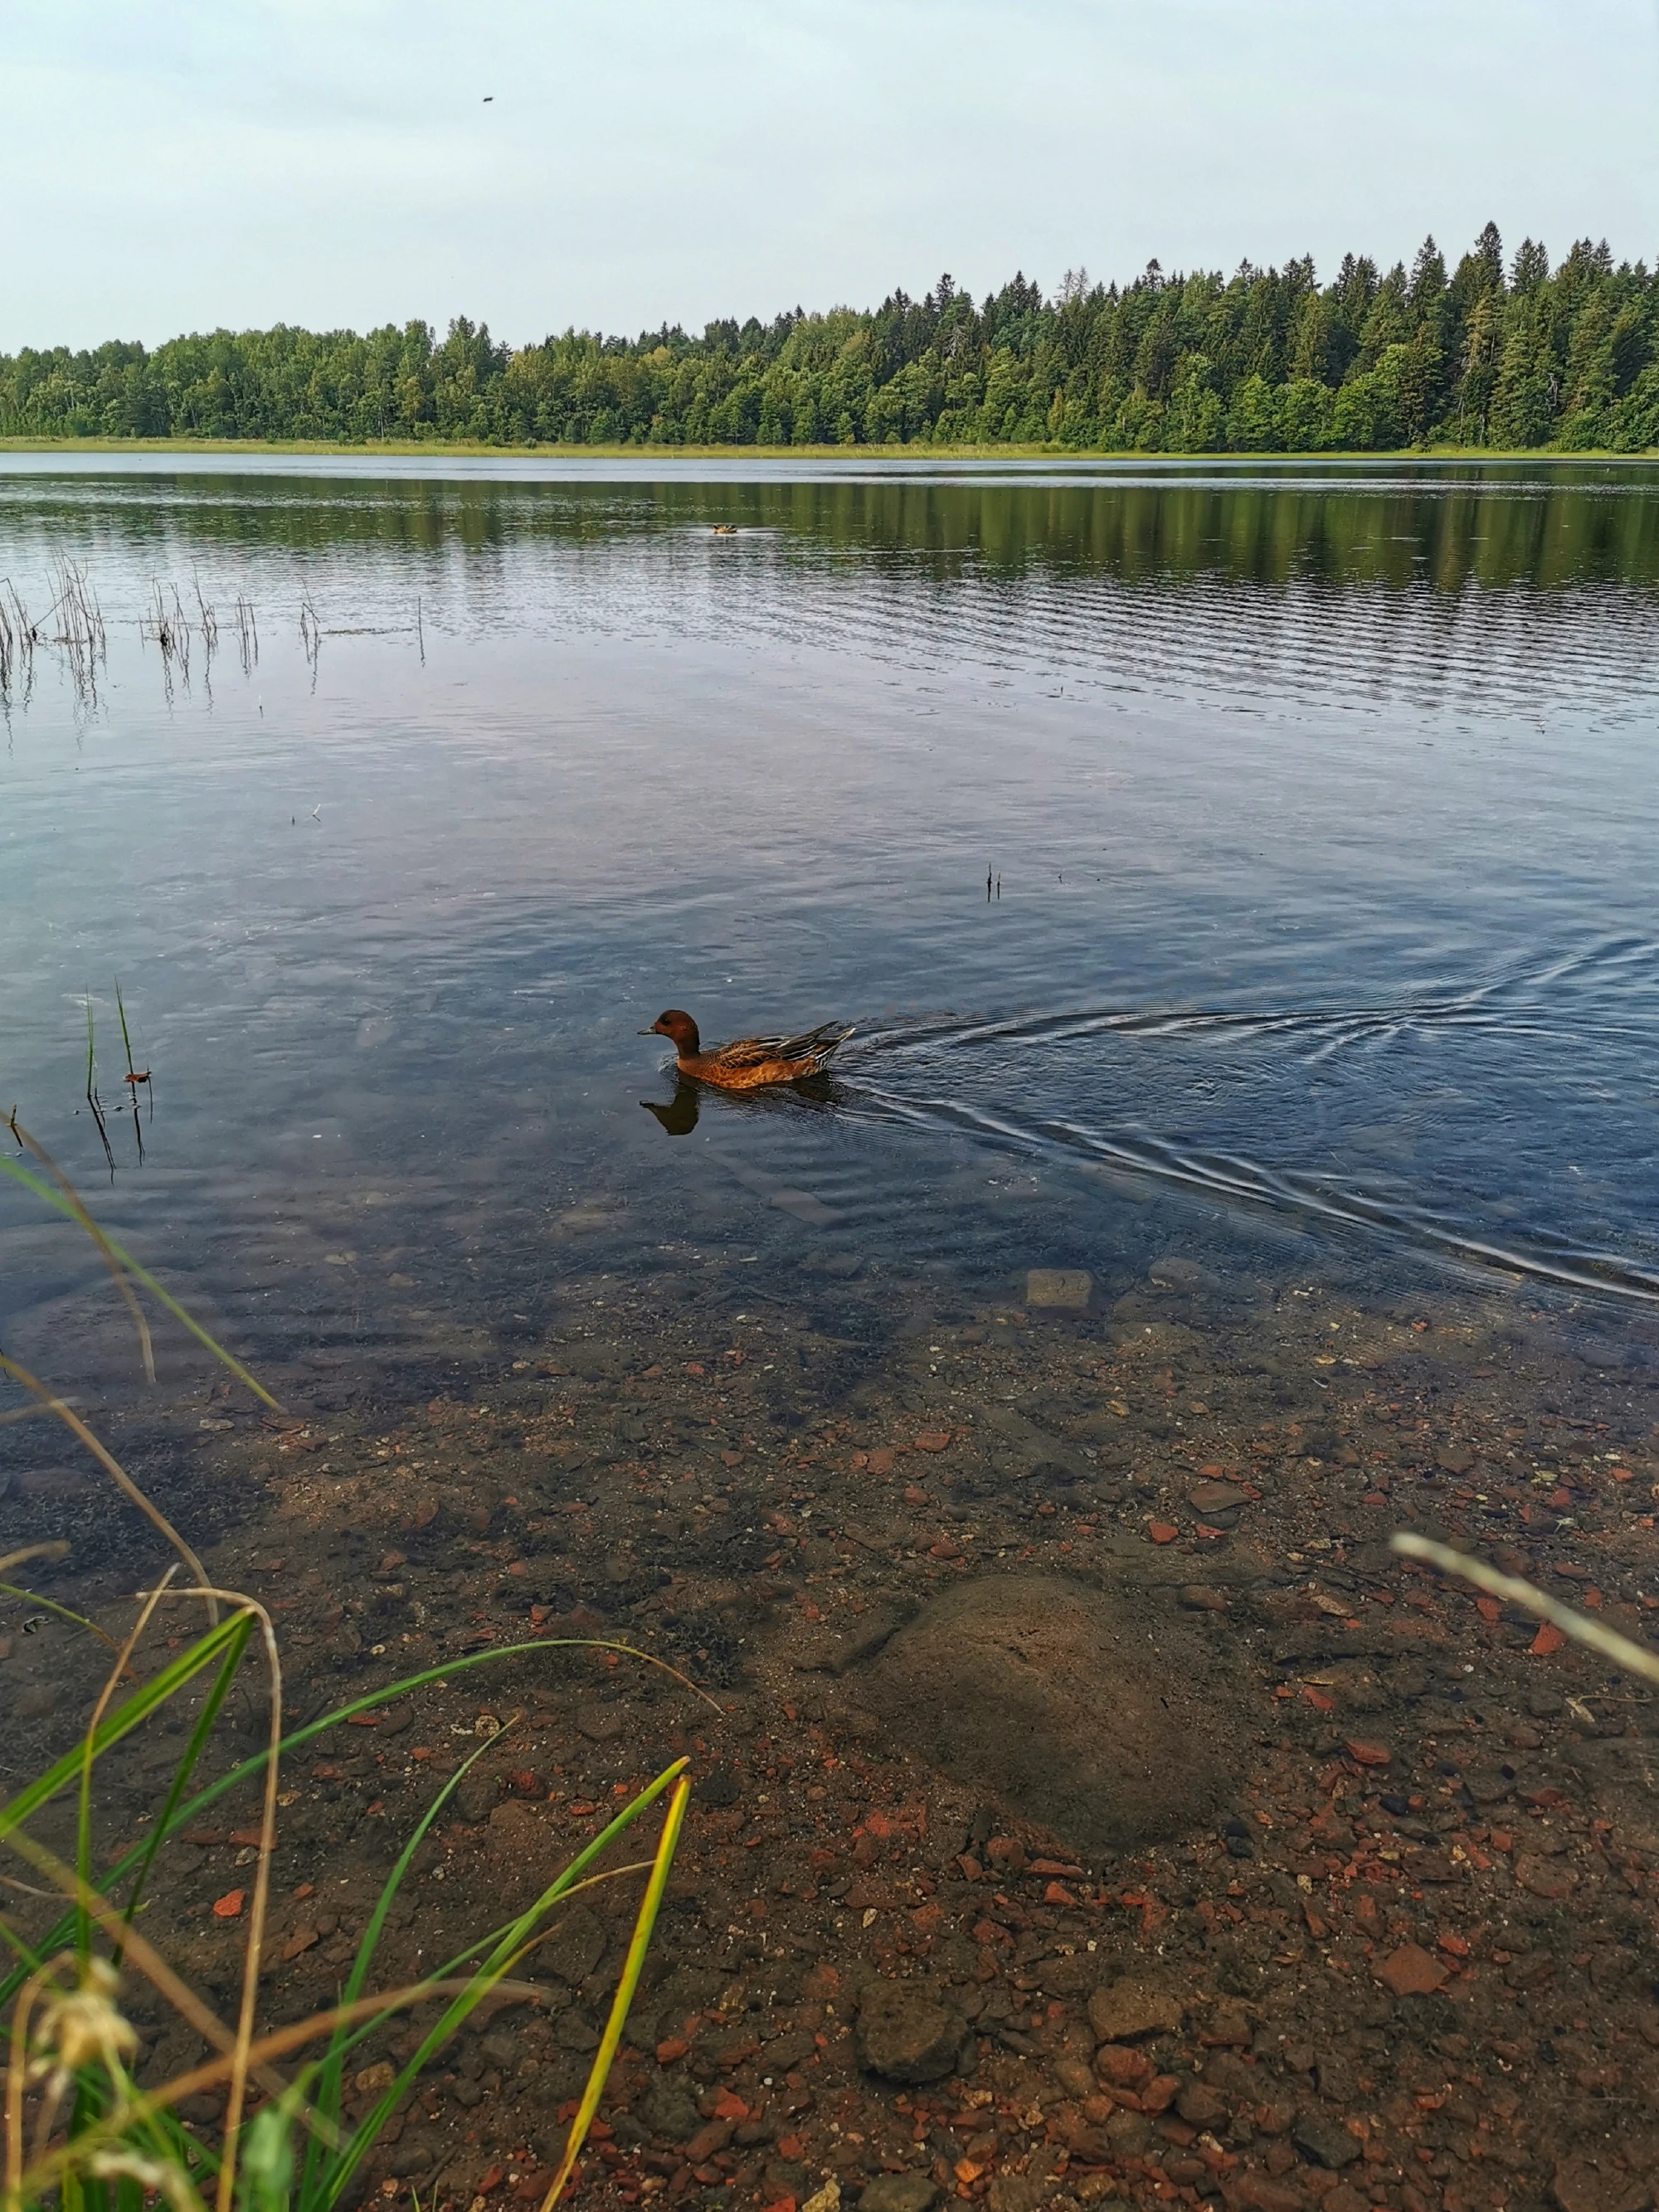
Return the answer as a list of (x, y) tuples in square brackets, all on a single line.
[(1106, 1722)]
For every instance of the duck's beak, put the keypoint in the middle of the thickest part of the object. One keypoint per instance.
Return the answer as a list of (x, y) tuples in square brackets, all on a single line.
[(645, 1033)]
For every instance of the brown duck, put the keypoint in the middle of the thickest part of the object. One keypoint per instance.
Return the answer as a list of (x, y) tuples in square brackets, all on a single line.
[(747, 1063)]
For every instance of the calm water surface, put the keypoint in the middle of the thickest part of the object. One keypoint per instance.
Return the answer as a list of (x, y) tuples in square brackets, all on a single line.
[(1318, 808)]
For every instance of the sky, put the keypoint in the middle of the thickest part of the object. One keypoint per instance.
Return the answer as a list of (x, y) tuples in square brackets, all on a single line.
[(192, 164)]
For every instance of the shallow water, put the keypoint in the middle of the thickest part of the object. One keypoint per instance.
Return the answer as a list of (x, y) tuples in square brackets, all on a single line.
[(1317, 806), (1301, 1043)]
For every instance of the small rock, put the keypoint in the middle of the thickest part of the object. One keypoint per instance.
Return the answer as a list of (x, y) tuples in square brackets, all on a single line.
[(906, 2035), (1198, 1597), (1212, 1497), (1129, 2133), (1324, 2140), (1065, 1287), (1201, 2106), (827, 2199), (1412, 1972), (1014, 2192), (1579, 2185), (1456, 1458), (1175, 1274), (1123, 2010), (1368, 1754), (476, 1798), (575, 1948), (1256, 2192), (899, 2192), (601, 1724), (670, 2111), (1546, 1878)]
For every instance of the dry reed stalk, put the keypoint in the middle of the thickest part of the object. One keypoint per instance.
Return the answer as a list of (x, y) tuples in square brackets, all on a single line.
[(1511, 1590), (38, 1150), (111, 1466)]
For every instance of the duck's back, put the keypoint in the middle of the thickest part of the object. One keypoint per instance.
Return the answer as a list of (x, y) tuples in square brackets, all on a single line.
[(747, 1063)]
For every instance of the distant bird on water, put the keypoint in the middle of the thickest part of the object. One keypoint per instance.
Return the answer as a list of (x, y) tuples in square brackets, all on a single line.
[(748, 1063), (488, 97)]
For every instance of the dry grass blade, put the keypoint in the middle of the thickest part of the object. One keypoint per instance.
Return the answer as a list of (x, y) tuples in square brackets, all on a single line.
[(279, 2044), (22, 1414), (54, 1551), (36, 1151), (111, 1466), (132, 1946), (1634, 1658), (599, 2072), (140, 1274)]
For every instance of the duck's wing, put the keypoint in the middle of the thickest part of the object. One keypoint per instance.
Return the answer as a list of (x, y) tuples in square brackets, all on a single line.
[(812, 1044)]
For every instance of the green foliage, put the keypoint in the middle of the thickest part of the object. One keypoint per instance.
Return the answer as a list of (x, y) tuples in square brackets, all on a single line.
[(1265, 360), (299, 2151)]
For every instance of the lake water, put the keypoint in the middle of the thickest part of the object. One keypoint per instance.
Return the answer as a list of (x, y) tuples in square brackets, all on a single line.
[(1242, 883), (1318, 808)]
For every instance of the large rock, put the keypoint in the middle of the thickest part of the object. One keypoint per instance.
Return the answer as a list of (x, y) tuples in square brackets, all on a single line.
[(907, 2034), (1107, 1722)]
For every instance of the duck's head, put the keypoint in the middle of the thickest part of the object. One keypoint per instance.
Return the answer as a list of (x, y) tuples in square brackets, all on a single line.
[(681, 1028)]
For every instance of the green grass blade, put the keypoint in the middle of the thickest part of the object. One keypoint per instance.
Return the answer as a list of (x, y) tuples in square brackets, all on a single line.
[(181, 1774), (327, 2097), (126, 1042), (123, 1718), (255, 1764), (64, 1613), (504, 1952)]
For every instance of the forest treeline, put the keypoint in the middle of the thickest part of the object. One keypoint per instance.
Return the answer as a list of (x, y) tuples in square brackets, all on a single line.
[(1489, 354)]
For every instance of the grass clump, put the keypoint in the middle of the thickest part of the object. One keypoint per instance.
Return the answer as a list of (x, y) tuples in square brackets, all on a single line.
[(79, 2130)]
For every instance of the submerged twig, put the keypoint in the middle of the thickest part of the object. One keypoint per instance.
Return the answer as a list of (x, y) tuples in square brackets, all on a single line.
[(1634, 1658)]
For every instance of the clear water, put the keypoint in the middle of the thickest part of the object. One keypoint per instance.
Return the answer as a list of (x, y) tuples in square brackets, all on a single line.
[(1318, 807)]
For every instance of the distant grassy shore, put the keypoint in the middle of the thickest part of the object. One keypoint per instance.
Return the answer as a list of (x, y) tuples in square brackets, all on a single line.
[(853, 455)]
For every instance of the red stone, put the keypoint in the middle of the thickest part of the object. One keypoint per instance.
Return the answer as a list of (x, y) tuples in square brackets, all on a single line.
[(1369, 1754), (1412, 1972)]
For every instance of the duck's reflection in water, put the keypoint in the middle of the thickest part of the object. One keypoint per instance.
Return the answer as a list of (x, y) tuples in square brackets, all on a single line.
[(819, 1093), (679, 1115)]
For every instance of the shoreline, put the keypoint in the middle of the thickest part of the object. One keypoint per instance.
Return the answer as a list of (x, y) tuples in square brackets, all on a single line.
[(404, 448)]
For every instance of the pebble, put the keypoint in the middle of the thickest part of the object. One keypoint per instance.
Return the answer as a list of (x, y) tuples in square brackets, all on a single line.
[(1128, 2009), (1546, 1878), (899, 2192), (1066, 1288), (1198, 1597), (1412, 1972), (601, 1724), (905, 2035), (1212, 1497), (1324, 2140)]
